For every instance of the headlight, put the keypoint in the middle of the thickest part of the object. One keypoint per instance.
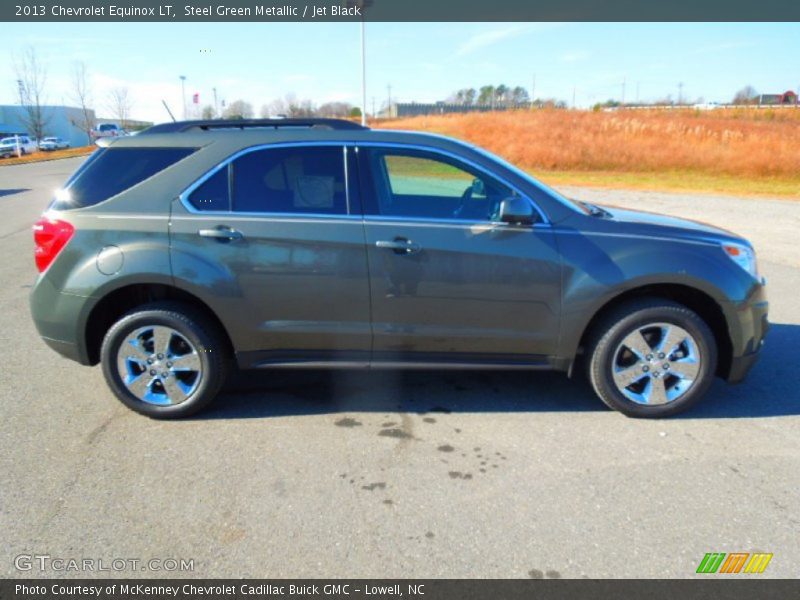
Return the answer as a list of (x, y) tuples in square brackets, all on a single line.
[(744, 256)]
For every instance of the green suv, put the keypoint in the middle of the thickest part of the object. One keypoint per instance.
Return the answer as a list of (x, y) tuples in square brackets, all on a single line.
[(172, 256)]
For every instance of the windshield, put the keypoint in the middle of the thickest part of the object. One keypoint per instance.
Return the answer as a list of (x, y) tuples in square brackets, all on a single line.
[(519, 172), (7, 141), (107, 127), (50, 140)]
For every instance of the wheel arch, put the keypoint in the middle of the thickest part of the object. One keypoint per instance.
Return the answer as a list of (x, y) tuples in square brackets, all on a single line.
[(706, 307), (126, 298)]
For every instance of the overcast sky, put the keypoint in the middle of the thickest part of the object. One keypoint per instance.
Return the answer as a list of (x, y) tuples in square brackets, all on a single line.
[(258, 62)]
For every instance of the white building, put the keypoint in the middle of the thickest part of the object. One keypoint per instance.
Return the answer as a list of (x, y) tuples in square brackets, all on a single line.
[(63, 121)]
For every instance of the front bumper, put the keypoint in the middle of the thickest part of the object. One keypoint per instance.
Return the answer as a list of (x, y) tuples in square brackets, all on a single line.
[(748, 325)]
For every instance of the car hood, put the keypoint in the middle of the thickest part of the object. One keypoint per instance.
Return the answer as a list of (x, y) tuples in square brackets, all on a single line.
[(636, 221)]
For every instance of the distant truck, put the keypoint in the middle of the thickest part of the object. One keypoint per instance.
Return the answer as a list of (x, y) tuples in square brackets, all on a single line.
[(108, 130), (18, 145)]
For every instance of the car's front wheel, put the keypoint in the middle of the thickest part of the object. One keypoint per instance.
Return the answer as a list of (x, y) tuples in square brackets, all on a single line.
[(164, 360), (652, 358)]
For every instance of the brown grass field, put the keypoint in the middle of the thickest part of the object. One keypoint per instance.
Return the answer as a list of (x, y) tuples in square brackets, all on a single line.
[(54, 155), (733, 151)]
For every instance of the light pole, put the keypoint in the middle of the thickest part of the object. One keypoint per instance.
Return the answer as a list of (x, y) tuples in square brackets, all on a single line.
[(183, 95), (216, 105), (363, 76), (362, 5)]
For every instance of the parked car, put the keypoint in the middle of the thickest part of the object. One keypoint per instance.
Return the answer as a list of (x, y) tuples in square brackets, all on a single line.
[(269, 244), (49, 144), (9, 146), (105, 130)]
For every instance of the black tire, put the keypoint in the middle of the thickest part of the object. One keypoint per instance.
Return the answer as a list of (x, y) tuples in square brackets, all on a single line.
[(626, 319), (198, 330)]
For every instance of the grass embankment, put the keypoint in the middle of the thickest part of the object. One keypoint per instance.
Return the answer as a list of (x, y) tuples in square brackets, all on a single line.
[(730, 151), (54, 155)]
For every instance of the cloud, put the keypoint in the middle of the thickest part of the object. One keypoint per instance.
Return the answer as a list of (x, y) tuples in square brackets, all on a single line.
[(574, 56), (725, 46), (490, 38)]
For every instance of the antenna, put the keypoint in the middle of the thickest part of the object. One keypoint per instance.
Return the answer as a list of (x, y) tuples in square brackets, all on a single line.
[(171, 116)]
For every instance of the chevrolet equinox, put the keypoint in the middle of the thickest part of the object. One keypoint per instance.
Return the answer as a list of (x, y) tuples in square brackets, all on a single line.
[(172, 256)]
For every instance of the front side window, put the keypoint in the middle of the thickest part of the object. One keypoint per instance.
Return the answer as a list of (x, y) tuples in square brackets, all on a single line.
[(304, 180), (423, 184)]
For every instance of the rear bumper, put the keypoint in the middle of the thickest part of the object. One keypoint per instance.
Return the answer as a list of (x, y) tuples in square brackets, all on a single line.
[(58, 319), (748, 324)]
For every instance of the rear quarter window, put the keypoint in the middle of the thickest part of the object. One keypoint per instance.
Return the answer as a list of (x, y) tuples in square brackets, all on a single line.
[(110, 171)]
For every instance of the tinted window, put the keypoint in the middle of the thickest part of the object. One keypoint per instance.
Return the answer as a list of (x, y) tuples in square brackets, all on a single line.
[(410, 183), (291, 180), (114, 170), (212, 194)]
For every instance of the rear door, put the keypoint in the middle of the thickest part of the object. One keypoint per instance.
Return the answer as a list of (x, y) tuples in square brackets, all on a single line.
[(449, 282), (274, 243)]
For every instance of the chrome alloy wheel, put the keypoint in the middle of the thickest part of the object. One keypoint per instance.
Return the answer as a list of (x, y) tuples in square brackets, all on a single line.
[(158, 365), (656, 364)]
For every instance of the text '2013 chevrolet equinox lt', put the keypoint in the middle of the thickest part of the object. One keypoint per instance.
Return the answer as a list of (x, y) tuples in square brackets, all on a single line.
[(305, 243)]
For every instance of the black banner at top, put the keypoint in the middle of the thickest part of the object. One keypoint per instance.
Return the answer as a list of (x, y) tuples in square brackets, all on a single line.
[(397, 10)]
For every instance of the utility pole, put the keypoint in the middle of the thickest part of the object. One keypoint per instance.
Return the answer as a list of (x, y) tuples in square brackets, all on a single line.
[(216, 105), (363, 76), (183, 95), (680, 93), (21, 90), (373, 107)]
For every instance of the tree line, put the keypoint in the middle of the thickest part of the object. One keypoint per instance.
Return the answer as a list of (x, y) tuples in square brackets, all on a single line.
[(491, 95), (289, 106)]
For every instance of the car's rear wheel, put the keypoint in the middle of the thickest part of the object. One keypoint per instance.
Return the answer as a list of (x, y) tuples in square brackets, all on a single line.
[(164, 360), (652, 358)]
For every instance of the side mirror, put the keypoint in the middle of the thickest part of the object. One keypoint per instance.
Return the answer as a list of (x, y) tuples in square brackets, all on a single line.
[(516, 211)]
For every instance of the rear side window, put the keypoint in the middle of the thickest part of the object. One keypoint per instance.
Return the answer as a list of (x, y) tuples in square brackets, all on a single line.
[(111, 171), (291, 180), (213, 193)]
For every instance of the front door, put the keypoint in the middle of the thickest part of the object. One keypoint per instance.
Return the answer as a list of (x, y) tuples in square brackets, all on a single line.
[(447, 280)]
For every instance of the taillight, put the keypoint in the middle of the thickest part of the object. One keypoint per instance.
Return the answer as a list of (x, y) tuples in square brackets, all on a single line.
[(50, 236)]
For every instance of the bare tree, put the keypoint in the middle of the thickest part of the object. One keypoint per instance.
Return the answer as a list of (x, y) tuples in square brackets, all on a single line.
[(119, 102), (746, 95), (335, 109), (31, 79), (208, 112), (238, 109), (82, 96), (289, 106)]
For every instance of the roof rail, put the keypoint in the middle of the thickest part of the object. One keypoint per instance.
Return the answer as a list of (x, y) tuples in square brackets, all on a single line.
[(205, 125)]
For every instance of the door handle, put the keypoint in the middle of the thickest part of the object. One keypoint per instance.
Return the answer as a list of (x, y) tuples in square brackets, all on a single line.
[(221, 234), (400, 246)]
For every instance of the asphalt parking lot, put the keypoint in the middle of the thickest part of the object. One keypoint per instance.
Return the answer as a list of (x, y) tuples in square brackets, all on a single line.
[(406, 474)]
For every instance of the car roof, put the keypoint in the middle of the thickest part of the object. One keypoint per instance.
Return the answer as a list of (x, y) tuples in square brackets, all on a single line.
[(243, 134)]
